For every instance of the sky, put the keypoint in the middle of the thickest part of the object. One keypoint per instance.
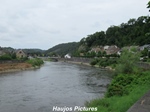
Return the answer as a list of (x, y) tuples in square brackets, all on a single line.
[(46, 23)]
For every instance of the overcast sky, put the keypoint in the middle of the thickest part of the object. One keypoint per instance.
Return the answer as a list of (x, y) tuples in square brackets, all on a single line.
[(46, 23)]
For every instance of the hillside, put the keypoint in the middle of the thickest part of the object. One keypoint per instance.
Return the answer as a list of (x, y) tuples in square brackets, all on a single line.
[(134, 32), (34, 51), (63, 49)]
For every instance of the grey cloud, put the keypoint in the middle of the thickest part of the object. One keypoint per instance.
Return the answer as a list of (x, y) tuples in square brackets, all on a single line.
[(51, 22)]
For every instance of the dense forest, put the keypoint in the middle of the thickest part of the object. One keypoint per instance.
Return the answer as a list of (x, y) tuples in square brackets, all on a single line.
[(134, 32)]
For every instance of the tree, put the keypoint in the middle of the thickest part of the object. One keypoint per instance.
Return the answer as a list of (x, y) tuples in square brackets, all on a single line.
[(99, 54), (131, 21), (127, 62), (148, 5)]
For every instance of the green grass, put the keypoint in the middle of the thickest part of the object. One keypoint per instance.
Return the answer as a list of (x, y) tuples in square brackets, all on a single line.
[(121, 103), (118, 103)]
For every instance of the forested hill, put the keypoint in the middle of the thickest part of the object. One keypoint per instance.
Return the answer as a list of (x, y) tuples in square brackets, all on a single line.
[(34, 51), (134, 32), (63, 49)]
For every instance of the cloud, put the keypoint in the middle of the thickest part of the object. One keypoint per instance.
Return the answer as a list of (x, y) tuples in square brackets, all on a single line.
[(45, 23)]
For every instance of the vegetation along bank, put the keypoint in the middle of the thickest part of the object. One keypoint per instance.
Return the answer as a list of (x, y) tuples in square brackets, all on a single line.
[(12, 63), (129, 83)]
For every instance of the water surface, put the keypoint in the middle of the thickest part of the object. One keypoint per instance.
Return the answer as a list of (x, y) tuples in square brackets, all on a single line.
[(54, 84)]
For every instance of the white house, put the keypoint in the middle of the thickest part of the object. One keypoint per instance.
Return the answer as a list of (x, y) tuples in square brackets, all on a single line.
[(106, 47), (67, 56)]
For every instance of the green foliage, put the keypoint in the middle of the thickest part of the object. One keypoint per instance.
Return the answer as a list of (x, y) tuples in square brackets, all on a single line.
[(117, 103), (35, 62), (52, 54), (90, 54), (103, 62), (33, 52), (123, 92), (94, 62), (13, 56), (5, 57), (119, 85), (123, 84), (127, 62), (97, 38), (134, 32), (145, 52), (99, 54)]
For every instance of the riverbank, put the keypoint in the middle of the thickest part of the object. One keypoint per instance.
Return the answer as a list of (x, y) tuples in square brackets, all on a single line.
[(88, 64), (128, 85), (14, 67), (123, 92)]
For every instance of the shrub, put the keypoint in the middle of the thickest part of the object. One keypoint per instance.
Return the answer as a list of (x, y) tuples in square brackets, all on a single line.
[(120, 85), (94, 62), (123, 84), (127, 62), (35, 62), (5, 57)]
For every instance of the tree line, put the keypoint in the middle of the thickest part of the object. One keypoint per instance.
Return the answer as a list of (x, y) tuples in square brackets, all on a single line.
[(134, 32)]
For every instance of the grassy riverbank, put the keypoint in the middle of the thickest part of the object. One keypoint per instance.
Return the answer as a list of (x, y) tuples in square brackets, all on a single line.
[(128, 84), (123, 92)]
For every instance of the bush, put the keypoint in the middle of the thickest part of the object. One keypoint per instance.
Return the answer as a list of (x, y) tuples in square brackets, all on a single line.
[(5, 57), (120, 85), (103, 62), (35, 62), (127, 62), (117, 103), (123, 84), (94, 62)]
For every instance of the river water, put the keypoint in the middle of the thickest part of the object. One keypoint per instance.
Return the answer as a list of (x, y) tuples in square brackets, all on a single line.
[(54, 84)]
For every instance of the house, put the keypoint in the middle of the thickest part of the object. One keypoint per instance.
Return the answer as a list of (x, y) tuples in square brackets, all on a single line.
[(106, 47), (67, 56), (97, 49), (113, 49), (20, 54), (81, 54)]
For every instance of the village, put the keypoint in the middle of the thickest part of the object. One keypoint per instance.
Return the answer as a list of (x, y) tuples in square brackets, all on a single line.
[(112, 50), (107, 50)]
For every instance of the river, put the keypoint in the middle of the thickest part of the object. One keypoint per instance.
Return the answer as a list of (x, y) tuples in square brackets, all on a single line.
[(54, 84)]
